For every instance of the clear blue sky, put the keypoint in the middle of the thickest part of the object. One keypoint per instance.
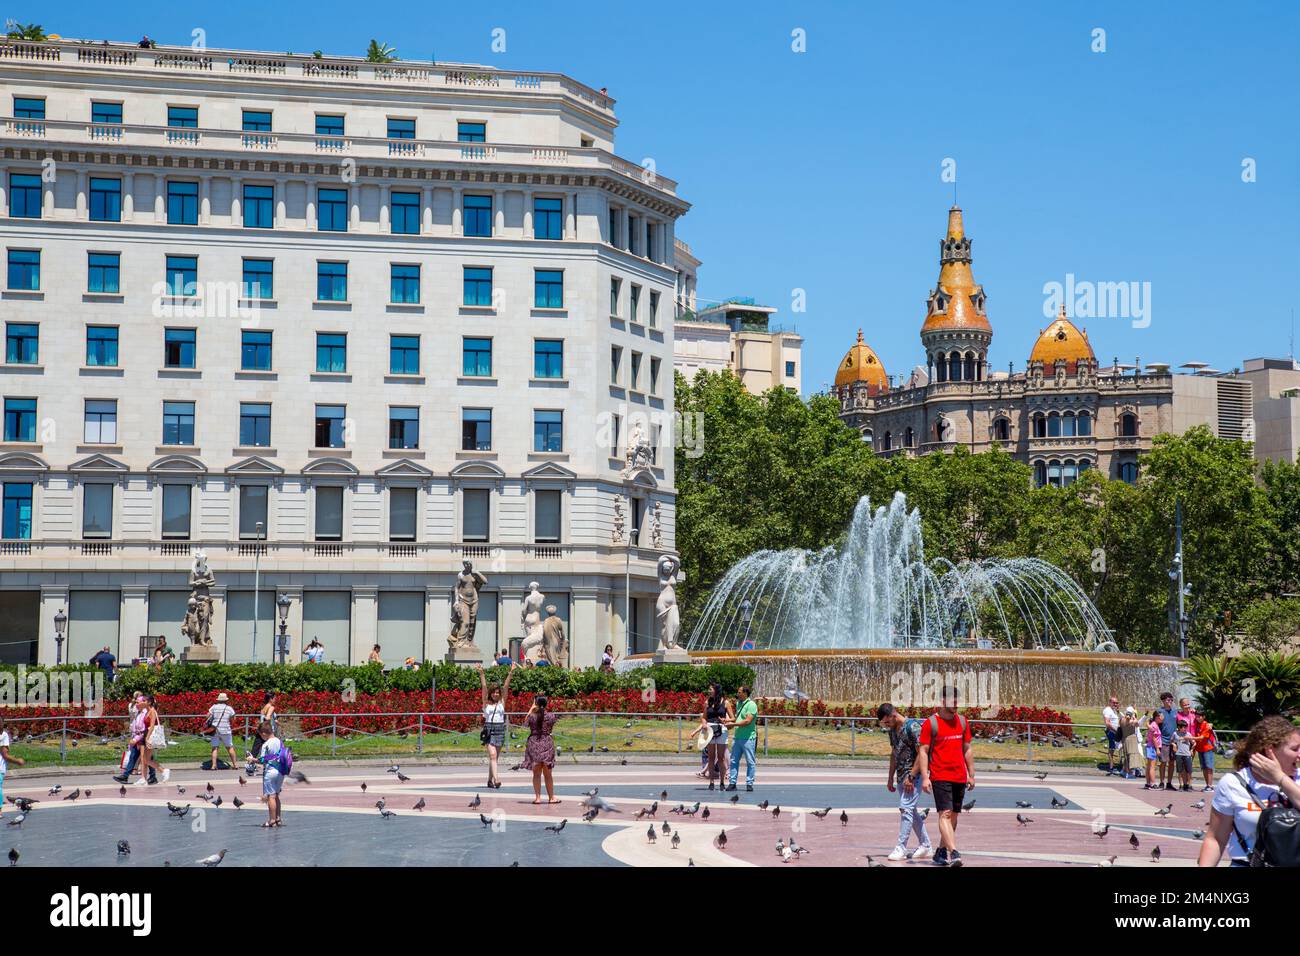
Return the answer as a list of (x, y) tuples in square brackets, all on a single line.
[(821, 170)]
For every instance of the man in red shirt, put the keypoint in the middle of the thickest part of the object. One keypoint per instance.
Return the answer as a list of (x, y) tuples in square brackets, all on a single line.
[(947, 770)]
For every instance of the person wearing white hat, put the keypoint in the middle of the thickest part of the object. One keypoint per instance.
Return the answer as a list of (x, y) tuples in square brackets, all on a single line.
[(220, 715)]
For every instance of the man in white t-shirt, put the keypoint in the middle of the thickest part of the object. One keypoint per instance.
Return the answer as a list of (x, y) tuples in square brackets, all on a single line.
[(5, 758), (1110, 717), (220, 715)]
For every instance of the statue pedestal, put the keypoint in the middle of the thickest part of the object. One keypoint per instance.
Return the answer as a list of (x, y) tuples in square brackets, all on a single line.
[(672, 655), (464, 654), (200, 654)]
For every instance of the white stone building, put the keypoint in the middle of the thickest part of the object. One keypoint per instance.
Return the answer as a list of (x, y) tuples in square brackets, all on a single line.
[(399, 315)]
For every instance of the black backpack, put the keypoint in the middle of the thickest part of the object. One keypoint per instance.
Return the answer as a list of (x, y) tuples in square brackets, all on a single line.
[(1277, 835)]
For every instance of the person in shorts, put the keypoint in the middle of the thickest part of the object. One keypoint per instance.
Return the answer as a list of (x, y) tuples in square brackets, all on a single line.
[(1152, 751), (947, 769), (1168, 730), (1110, 718), (272, 778), (1183, 743), (220, 715), (1206, 744), (6, 758)]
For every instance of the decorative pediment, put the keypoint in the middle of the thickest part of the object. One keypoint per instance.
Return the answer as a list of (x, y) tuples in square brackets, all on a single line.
[(404, 468), (99, 463), (640, 478), (22, 461), (477, 468), (550, 469), (178, 465), (256, 465), (318, 467)]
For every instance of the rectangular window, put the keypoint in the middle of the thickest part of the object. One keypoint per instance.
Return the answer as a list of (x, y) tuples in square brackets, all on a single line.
[(259, 279), (17, 510), (252, 510), (634, 381), (401, 128), (183, 276), (255, 350), (178, 423), (404, 281), (654, 375), (548, 289), (548, 358), (548, 431), (332, 281), (329, 425), (24, 270), (176, 512), (104, 273), (332, 210), (634, 304), (633, 235), (405, 213), (20, 419), (613, 226), (29, 107), (548, 218), (615, 432), (257, 121), (403, 427), (329, 513), (789, 369), (101, 421), (97, 511), (24, 196), (476, 429), (101, 346), (178, 348), (105, 200), (106, 113), (328, 124), (478, 215), (650, 234), (478, 286), (259, 207), (183, 117), (404, 355), (401, 514), (255, 425), (476, 521), (476, 357), (654, 309), (182, 203), (22, 343), (546, 516), (331, 352), (615, 363), (614, 286), (471, 132)]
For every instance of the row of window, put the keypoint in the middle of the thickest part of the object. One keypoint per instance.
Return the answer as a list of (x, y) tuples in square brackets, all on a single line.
[(177, 512)]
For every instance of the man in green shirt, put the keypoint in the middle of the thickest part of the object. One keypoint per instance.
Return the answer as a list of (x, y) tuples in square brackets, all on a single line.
[(743, 739)]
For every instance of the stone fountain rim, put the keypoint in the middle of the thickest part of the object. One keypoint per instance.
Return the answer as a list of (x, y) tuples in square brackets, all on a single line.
[(1008, 655)]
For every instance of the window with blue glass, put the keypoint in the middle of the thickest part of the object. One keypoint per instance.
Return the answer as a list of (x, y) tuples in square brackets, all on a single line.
[(332, 210), (24, 196), (548, 289), (22, 343), (259, 279), (332, 281), (104, 272), (331, 352), (179, 348), (470, 132), (478, 286), (329, 124), (548, 218), (548, 358), (105, 200), (476, 357), (257, 121), (17, 510), (183, 117), (24, 270), (405, 282), (254, 424), (404, 355), (183, 275), (401, 128), (259, 205), (20, 419), (101, 345), (178, 423), (476, 429), (548, 431), (29, 107), (106, 112), (255, 350), (405, 213), (183, 204), (478, 215), (403, 427), (329, 425)]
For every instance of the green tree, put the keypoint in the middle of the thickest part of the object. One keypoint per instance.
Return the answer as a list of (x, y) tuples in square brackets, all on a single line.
[(1280, 482), (27, 31), (380, 52)]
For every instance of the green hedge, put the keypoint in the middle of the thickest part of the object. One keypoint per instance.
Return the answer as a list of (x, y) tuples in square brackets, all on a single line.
[(371, 679)]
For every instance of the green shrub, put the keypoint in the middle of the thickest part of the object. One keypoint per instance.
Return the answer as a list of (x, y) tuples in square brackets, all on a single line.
[(1236, 692)]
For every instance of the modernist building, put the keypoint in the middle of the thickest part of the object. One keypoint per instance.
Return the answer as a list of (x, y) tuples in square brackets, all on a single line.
[(1063, 414), (339, 324)]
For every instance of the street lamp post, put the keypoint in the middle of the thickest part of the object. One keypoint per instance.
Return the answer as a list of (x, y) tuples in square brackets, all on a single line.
[(257, 580), (60, 625), (1176, 575), (283, 643)]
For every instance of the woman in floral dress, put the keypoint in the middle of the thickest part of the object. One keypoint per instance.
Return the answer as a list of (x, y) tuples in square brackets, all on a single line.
[(539, 754)]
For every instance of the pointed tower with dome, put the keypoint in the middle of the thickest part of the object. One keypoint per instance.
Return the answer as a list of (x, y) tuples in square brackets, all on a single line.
[(956, 333)]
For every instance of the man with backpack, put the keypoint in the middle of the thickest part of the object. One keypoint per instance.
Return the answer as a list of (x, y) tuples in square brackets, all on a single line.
[(277, 758), (947, 769), (904, 742)]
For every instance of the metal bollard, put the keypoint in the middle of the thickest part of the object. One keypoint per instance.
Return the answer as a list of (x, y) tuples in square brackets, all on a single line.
[(419, 740), (679, 733), (853, 738), (334, 736), (765, 737), (593, 732), (1029, 742), (63, 742)]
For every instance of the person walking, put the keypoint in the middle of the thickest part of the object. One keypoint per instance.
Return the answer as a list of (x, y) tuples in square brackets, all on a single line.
[(904, 742), (947, 769), (6, 758), (154, 740), (136, 711), (272, 773), (717, 712), (266, 715), (744, 742), (493, 734), (106, 662), (1168, 732), (1110, 718), (539, 752), (1264, 774), (220, 715)]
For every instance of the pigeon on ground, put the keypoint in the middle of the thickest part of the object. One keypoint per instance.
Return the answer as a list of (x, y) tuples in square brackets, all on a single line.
[(787, 854), (591, 814), (393, 769), (237, 802), (1155, 854), (214, 859), (1199, 804), (363, 786), (650, 833), (735, 799), (1133, 841), (871, 861), (210, 788), (600, 803), (56, 789), (763, 806), (87, 794), (1199, 834), (1164, 812), (18, 820), (821, 814), (666, 828), (722, 840), (676, 840), (178, 812), (1024, 820), (242, 781), (297, 776), (121, 791), (968, 807), (592, 792), (654, 808), (664, 795), (776, 812), (560, 826), (704, 814), (643, 812), (1041, 776), (1101, 832), (419, 805), (1026, 805), (844, 818), (485, 820), (180, 790), (123, 848), (73, 795), (1060, 803), (387, 814), (13, 856), (403, 778), (476, 802)]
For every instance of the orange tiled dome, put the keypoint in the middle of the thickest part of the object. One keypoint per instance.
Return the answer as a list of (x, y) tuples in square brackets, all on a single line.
[(861, 364), (958, 300), (1062, 340)]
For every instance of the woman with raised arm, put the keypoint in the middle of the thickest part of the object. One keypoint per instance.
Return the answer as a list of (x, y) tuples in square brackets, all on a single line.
[(539, 753), (493, 734)]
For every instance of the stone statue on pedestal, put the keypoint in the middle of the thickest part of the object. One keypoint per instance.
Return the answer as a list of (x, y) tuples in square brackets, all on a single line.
[(530, 617), (197, 625), (464, 610), (638, 449), (666, 607), (555, 646)]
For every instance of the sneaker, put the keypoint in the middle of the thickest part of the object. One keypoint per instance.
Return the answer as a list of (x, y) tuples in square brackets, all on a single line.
[(940, 857), (731, 789), (140, 783), (1207, 790), (898, 854), (954, 858), (1147, 786), (711, 787), (167, 774), (749, 788), (121, 778), (922, 853), (1187, 787)]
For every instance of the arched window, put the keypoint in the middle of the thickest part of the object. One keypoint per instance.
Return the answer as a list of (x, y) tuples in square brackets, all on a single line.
[(1128, 425), (1040, 425), (954, 367), (1068, 425), (1085, 424), (889, 441), (867, 436), (1084, 465), (1128, 471), (1069, 473), (1002, 430), (940, 368), (907, 438), (1053, 425), (970, 366), (1054, 474), (1040, 474)]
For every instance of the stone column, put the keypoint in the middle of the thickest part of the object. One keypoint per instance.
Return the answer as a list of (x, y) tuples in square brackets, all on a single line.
[(310, 212), (159, 197), (128, 197), (437, 623), (457, 211), (426, 210), (83, 199), (54, 598), (279, 210), (498, 212), (205, 199), (528, 214), (589, 627), (365, 622), (385, 209), (294, 623), (354, 214), (236, 201), (4, 190), (570, 216), (47, 197), (133, 621)]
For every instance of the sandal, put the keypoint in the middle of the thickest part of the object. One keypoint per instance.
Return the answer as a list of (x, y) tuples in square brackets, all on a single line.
[(267, 825)]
